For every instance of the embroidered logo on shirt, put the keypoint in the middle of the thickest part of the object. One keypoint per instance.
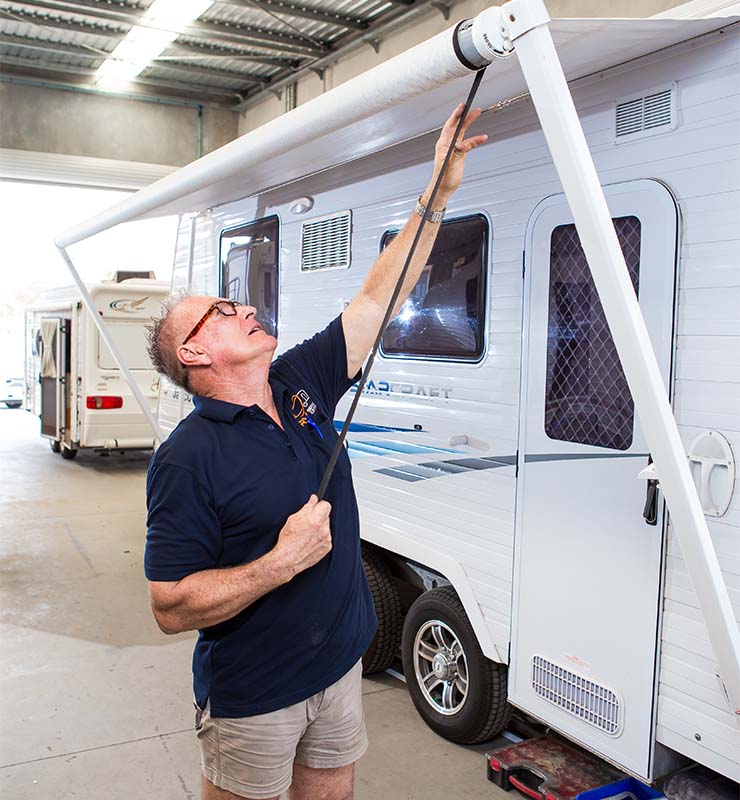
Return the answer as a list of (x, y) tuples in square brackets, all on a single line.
[(303, 408)]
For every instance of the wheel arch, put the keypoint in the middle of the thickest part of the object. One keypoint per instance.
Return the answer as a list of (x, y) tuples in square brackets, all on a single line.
[(452, 570)]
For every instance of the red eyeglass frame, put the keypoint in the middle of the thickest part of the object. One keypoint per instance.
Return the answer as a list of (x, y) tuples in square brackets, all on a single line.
[(213, 307)]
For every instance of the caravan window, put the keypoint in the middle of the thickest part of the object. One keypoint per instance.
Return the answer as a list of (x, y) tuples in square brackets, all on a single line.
[(130, 339), (249, 268), (444, 316), (587, 399)]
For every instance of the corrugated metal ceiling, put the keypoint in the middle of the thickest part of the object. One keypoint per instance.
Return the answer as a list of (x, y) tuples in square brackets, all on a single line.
[(234, 51)]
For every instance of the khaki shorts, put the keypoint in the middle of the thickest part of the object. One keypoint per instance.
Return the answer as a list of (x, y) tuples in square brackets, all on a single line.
[(253, 756)]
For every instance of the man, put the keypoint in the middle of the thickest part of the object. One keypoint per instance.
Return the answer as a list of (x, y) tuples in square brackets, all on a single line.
[(240, 548)]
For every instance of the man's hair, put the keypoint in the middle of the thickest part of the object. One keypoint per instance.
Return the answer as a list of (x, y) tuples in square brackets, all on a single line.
[(162, 346)]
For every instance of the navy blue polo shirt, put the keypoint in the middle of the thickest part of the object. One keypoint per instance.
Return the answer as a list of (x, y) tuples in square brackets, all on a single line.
[(220, 489)]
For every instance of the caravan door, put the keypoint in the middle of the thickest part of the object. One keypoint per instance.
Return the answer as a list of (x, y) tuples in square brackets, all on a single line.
[(51, 377), (587, 569)]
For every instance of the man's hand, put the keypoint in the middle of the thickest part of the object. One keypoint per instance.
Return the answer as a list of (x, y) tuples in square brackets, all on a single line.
[(463, 146), (305, 538)]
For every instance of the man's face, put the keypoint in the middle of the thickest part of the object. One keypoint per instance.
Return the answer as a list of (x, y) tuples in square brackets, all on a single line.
[(225, 341)]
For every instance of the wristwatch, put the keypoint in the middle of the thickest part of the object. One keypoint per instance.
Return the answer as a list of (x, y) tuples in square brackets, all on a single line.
[(432, 216)]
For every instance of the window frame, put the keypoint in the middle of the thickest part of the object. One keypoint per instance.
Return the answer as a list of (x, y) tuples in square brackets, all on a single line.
[(486, 268), (278, 265)]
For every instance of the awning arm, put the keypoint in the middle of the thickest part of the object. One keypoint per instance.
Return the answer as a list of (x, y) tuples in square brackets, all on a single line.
[(108, 339), (526, 24)]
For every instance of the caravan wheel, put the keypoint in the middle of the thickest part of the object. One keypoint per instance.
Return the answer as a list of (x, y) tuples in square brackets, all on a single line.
[(459, 693), (68, 453), (55, 446), (384, 647)]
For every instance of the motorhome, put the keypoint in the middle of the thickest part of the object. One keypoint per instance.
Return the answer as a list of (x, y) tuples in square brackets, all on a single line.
[(515, 532), (72, 382)]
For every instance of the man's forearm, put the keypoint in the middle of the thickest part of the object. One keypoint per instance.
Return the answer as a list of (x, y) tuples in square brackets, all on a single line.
[(212, 596), (383, 275)]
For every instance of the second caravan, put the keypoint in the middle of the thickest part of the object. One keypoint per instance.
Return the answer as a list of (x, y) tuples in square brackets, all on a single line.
[(73, 383)]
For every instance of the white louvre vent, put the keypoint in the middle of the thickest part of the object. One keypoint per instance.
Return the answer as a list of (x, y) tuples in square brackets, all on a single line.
[(582, 697), (325, 242), (651, 113)]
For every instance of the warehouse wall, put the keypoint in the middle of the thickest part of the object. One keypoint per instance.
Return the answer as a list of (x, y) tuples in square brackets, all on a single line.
[(83, 124), (422, 28)]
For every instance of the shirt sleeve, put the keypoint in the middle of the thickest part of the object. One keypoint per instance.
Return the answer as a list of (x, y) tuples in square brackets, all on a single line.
[(183, 529), (322, 360)]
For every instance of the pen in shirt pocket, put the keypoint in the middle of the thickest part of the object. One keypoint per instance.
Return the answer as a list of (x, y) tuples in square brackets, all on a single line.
[(314, 426)]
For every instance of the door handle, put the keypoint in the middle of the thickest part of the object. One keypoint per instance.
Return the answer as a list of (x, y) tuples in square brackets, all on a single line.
[(650, 511)]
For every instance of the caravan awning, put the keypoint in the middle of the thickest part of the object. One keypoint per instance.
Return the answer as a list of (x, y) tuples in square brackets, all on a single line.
[(404, 97)]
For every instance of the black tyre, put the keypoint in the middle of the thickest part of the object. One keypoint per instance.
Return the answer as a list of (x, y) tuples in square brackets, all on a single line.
[(384, 647), (14, 403), (68, 453), (459, 692), (55, 446)]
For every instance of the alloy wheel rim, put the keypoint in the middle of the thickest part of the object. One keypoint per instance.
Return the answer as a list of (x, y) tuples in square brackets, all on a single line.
[(441, 667)]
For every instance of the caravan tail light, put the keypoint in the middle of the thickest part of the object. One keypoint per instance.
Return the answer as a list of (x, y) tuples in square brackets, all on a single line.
[(104, 401)]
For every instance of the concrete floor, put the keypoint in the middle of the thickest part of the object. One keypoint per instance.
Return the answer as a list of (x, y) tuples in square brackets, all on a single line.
[(96, 702)]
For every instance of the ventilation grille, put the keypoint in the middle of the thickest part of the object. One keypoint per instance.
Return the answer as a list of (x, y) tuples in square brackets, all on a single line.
[(582, 698), (645, 116), (325, 243)]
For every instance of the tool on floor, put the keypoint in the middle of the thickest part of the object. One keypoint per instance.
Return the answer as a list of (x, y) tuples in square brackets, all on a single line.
[(545, 768)]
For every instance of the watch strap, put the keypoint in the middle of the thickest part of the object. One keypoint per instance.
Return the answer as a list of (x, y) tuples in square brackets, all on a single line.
[(432, 216)]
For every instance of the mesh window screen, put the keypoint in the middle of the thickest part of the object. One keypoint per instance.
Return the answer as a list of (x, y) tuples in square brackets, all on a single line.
[(587, 399)]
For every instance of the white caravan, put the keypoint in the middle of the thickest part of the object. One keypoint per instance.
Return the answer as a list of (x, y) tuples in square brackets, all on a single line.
[(509, 513), (72, 382)]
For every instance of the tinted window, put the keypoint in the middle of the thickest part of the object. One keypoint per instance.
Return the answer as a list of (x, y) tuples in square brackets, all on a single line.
[(444, 315), (249, 268), (587, 399)]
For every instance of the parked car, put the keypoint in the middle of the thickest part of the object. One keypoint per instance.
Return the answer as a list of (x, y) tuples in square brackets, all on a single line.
[(11, 392)]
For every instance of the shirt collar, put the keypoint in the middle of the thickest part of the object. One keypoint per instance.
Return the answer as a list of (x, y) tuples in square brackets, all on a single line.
[(218, 410)]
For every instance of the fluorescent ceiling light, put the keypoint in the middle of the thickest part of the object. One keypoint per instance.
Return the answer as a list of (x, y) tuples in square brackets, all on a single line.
[(162, 22)]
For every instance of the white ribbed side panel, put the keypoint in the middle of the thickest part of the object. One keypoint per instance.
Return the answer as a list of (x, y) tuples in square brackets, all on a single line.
[(27, 165)]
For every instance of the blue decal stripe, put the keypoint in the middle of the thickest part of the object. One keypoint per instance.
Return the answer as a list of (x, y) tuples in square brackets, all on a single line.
[(361, 427), (368, 448), (409, 449)]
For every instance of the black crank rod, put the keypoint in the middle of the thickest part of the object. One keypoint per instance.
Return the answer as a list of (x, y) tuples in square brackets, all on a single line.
[(401, 278)]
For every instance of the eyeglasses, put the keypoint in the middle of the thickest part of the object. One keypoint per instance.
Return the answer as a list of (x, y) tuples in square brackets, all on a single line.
[(226, 308)]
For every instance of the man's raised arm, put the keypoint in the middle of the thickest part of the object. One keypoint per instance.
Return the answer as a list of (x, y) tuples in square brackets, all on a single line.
[(362, 318)]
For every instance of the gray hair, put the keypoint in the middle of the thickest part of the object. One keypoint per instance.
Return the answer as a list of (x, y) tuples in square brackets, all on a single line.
[(162, 346)]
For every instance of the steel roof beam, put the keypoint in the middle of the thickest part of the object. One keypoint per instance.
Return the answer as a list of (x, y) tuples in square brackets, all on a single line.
[(70, 49), (192, 69), (206, 50), (197, 28), (69, 69), (32, 18), (293, 10), (61, 48)]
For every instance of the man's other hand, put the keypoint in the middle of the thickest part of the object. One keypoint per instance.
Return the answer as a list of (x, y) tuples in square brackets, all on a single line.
[(305, 538)]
